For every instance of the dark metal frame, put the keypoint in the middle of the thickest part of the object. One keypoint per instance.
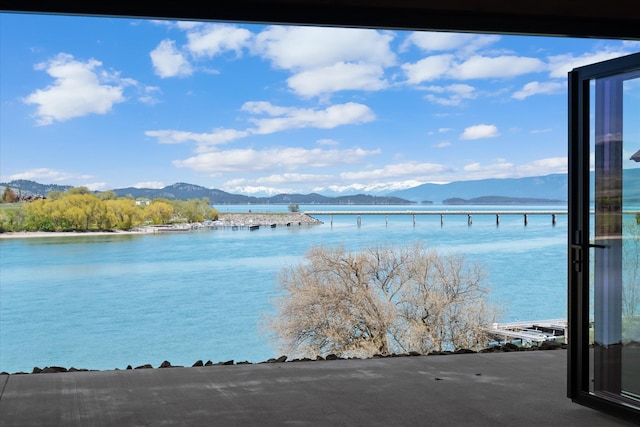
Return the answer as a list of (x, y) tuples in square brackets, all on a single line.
[(545, 17), (586, 18), (578, 380)]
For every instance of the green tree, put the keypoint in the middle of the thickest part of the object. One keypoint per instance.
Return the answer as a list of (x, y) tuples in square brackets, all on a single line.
[(79, 190), (293, 207), (107, 195), (158, 212)]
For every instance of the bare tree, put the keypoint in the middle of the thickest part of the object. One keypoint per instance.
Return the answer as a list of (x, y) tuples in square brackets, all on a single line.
[(380, 300)]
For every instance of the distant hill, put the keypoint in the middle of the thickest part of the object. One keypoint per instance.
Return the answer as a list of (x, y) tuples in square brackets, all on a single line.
[(539, 189), (498, 200), (32, 188), (554, 187)]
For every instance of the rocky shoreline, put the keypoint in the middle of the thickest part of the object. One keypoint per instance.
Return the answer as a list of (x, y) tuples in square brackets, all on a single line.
[(509, 347), (248, 219), (265, 219)]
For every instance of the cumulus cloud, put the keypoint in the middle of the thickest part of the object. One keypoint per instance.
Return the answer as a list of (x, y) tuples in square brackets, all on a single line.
[(47, 175), (476, 67), (538, 88), (396, 170), (560, 65), (337, 77), (279, 119), (502, 168), (212, 39), (483, 67), (451, 95), (218, 136), (168, 61), (79, 89), (480, 132), (428, 69), (283, 118), (304, 48), (441, 41), (324, 60), (248, 160)]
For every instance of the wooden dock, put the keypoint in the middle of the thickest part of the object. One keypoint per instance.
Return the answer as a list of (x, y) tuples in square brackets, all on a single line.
[(531, 332), (469, 214)]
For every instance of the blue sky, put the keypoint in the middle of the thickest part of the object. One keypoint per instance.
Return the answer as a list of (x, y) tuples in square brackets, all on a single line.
[(259, 109)]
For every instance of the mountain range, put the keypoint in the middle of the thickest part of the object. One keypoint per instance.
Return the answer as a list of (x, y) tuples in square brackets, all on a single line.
[(538, 189)]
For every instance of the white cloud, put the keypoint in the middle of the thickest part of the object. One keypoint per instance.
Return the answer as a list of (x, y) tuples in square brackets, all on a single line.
[(168, 61), (337, 77), (454, 94), (219, 136), (247, 160), (324, 60), (544, 166), (96, 186), (280, 119), (483, 67), (441, 41), (537, 131), (428, 69), (395, 170), (213, 39), (476, 67), (79, 89), (149, 184), (442, 144), (293, 178), (538, 88), (292, 118), (304, 48), (47, 175), (480, 132), (501, 168), (560, 65)]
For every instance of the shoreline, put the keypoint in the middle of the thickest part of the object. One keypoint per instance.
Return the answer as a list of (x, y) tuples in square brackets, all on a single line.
[(224, 220)]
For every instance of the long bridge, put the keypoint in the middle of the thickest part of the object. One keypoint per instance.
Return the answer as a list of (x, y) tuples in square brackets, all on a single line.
[(469, 214)]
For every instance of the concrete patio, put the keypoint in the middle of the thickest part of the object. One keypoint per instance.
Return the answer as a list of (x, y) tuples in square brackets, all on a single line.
[(490, 389)]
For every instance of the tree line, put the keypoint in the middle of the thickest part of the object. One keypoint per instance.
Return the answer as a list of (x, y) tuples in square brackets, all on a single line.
[(79, 209)]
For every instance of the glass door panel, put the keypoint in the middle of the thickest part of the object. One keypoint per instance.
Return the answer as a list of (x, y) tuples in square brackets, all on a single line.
[(614, 239), (604, 236)]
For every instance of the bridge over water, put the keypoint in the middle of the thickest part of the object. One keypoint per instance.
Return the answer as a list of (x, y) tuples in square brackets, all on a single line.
[(469, 214)]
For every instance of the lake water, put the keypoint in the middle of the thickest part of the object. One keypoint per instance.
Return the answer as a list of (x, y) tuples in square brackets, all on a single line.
[(104, 302)]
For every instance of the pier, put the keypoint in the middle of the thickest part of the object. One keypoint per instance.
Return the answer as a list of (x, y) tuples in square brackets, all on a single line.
[(413, 214), (530, 332)]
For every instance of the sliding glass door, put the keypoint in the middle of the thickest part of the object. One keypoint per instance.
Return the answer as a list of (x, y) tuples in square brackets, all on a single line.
[(604, 237)]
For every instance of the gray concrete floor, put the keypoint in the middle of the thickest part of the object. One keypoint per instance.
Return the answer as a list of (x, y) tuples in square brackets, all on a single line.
[(493, 389)]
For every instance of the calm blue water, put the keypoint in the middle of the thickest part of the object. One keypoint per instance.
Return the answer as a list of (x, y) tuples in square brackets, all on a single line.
[(106, 302)]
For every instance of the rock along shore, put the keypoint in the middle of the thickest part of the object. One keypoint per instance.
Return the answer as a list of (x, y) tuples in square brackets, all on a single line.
[(265, 219)]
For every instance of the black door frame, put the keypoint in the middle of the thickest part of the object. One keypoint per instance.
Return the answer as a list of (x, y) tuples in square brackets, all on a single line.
[(578, 380)]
